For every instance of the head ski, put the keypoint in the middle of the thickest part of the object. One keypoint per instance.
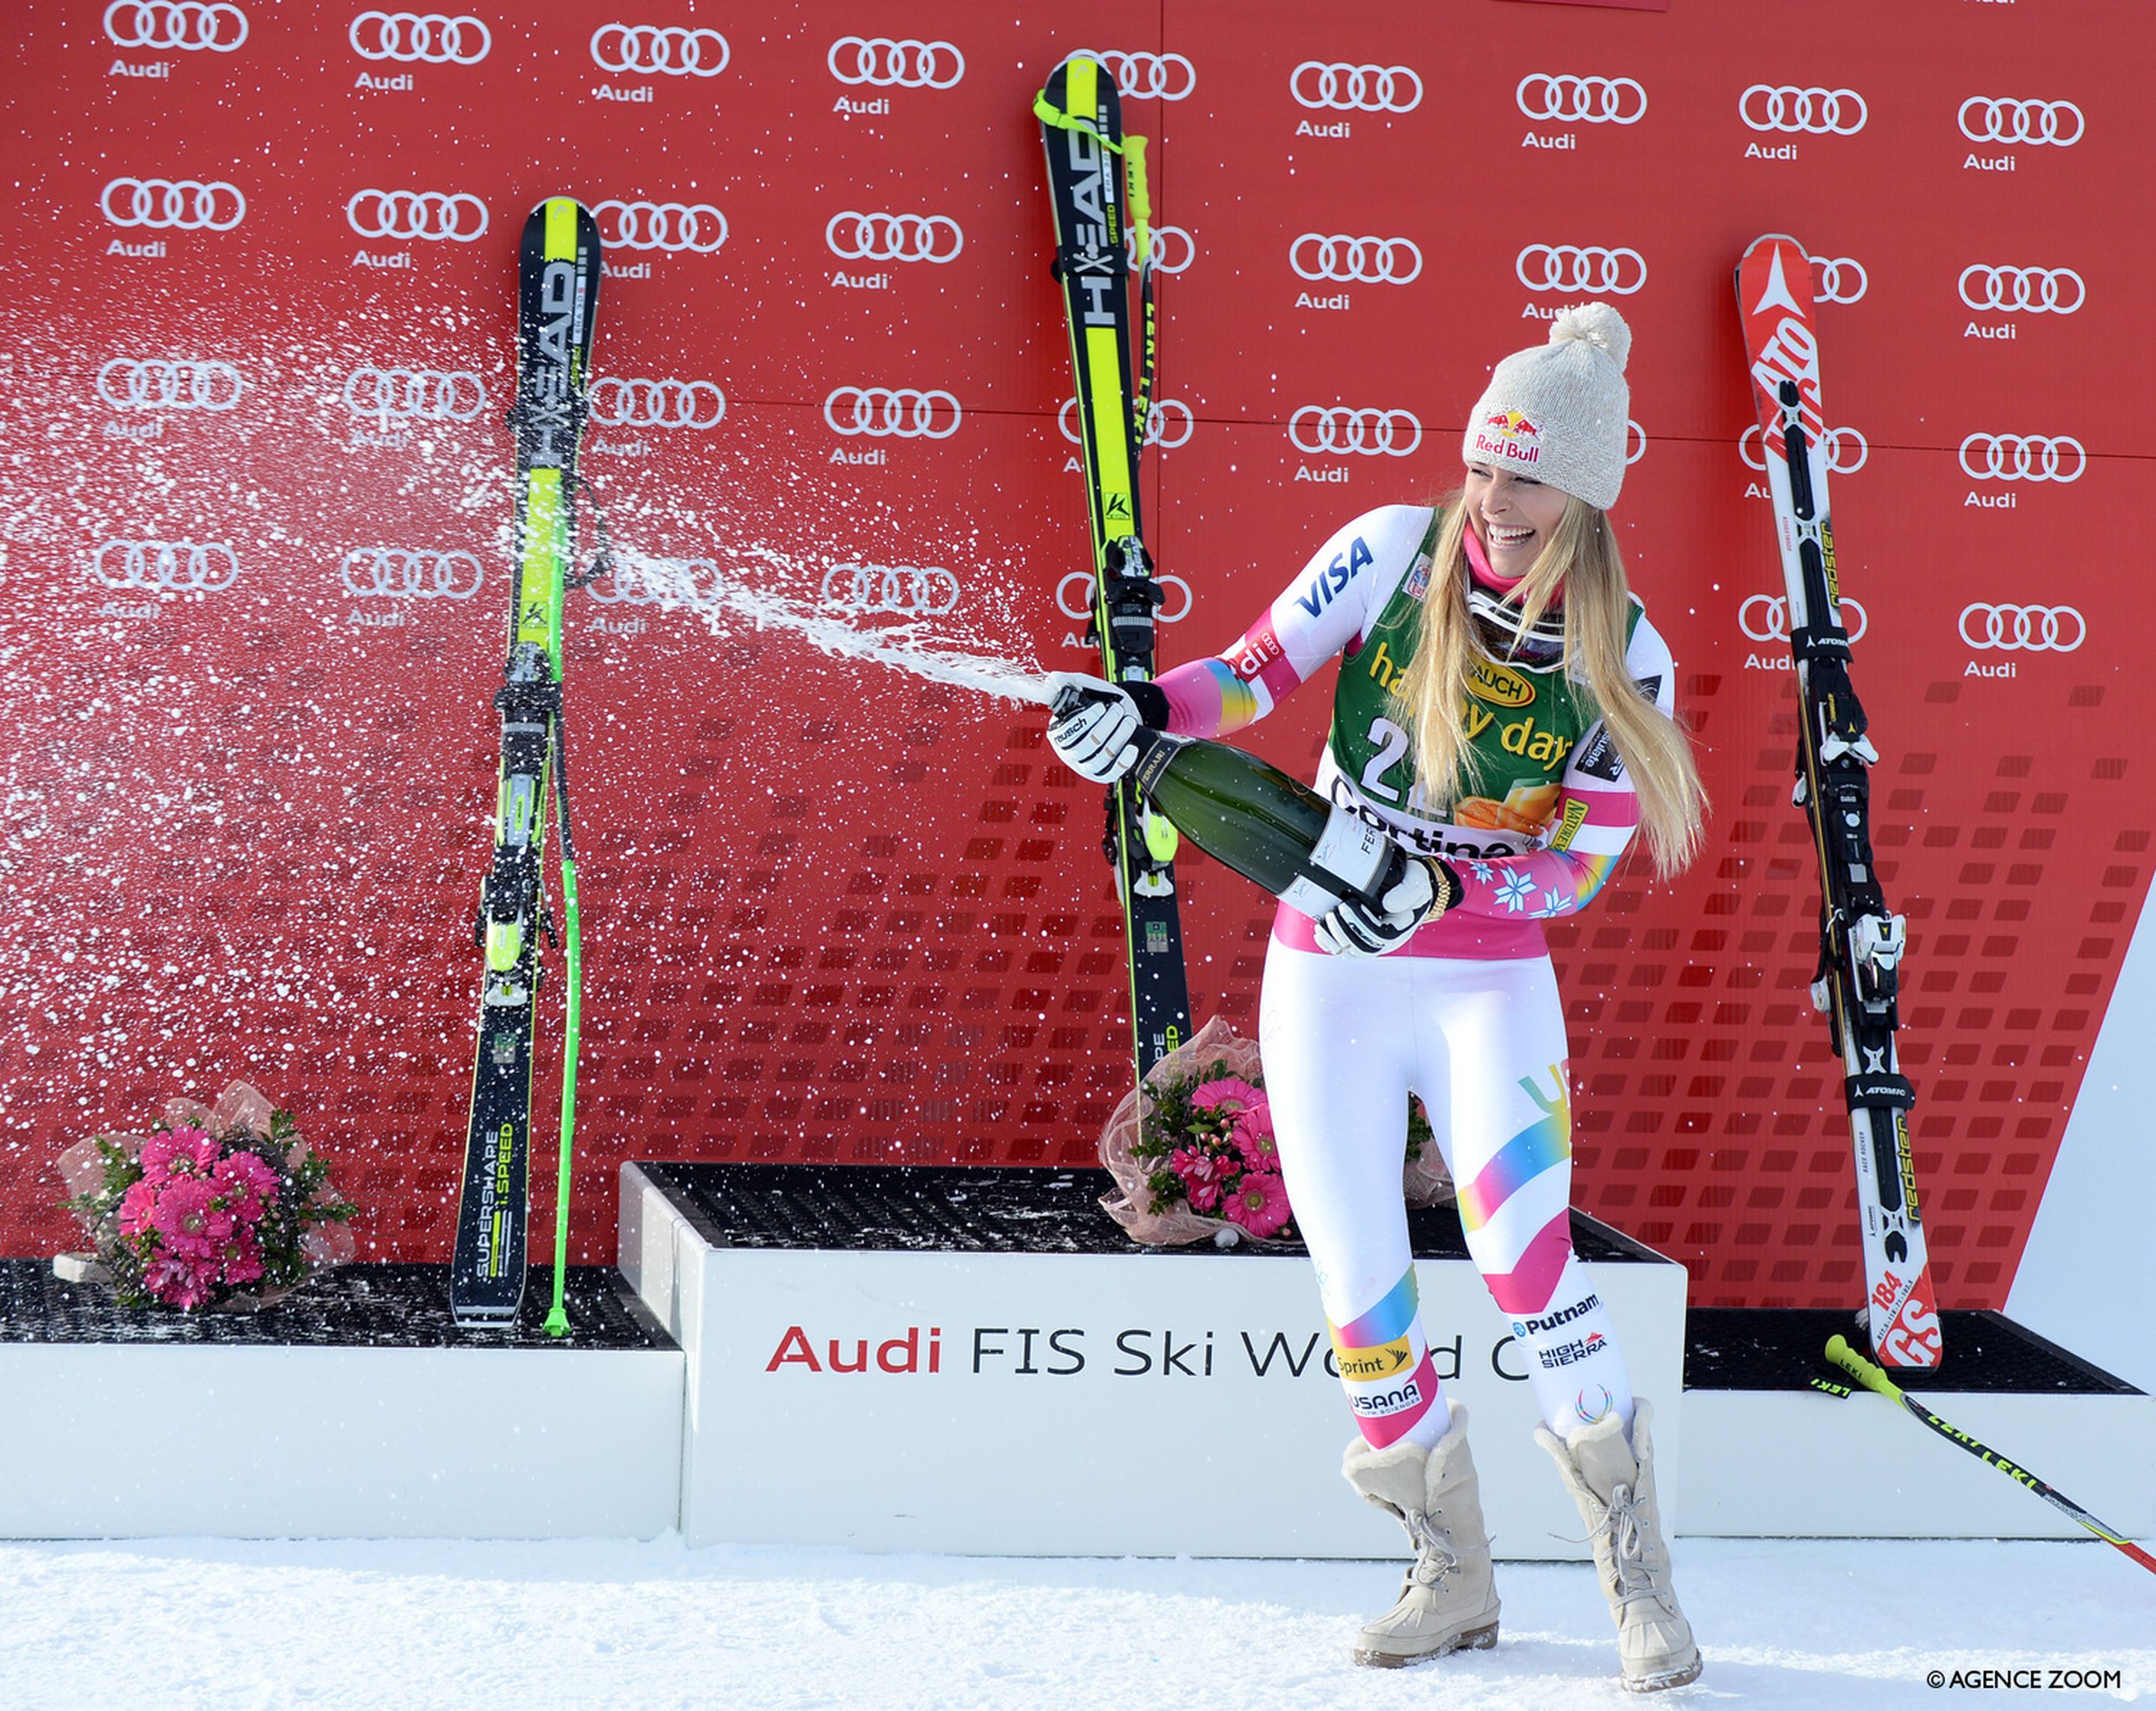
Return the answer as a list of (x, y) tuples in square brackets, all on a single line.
[(1861, 942), (1081, 126), (557, 304)]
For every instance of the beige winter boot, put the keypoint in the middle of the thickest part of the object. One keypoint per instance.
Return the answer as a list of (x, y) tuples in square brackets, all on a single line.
[(1449, 1597), (1613, 1484)]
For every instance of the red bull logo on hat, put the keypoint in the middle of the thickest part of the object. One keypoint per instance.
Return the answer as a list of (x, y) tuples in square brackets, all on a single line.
[(1510, 435)]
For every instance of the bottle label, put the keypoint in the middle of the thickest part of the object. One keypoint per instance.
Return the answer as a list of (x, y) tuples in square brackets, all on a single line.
[(1351, 851)]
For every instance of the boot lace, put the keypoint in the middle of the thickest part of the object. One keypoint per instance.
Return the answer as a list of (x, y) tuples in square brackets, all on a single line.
[(1627, 1547), (1434, 1557)]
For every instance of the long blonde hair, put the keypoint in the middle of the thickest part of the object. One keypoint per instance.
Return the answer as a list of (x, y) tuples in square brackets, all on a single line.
[(1582, 559)]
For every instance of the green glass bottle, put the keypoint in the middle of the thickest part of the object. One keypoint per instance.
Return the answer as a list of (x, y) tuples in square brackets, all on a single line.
[(1274, 830)]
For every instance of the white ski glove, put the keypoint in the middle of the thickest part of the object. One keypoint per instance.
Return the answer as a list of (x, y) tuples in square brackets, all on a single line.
[(1414, 890), (1090, 725)]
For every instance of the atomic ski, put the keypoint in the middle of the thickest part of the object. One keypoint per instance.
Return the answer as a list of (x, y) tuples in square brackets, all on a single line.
[(1081, 128), (556, 302), (1861, 942)]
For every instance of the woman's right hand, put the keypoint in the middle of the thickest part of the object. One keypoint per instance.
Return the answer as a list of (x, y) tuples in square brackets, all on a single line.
[(1090, 725)]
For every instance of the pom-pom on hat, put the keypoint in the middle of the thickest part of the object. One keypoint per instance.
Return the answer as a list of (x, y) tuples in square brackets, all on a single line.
[(1559, 412)]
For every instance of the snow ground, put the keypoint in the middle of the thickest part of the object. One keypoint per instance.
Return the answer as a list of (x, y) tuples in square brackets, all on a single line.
[(212, 1625)]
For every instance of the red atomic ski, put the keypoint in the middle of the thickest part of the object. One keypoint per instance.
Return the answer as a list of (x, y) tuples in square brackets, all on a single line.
[(1860, 941)]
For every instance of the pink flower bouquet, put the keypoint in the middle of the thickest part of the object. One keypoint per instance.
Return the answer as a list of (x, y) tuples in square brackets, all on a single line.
[(1193, 1156), (213, 1208)]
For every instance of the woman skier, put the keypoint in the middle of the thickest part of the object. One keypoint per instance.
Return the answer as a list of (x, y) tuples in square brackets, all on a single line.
[(1502, 711)]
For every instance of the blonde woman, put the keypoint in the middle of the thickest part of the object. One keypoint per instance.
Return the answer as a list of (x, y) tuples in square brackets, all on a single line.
[(1503, 712)]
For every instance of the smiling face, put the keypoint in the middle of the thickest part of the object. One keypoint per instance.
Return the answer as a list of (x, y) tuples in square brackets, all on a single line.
[(1512, 517)]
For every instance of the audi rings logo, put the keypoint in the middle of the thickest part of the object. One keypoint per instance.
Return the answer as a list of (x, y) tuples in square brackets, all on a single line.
[(694, 226), (1816, 112), (1635, 442), (2034, 629), (409, 573), (425, 394), (1837, 279), (649, 49), (1356, 89), (1847, 450), (893, 237), (1766, 618), (430, 38), (2034, 290), (1170, 248), (901, 64), (166, 566), (181, 25), (184, 204), (656, 403), (168, 383), (1169, 423), (657, 582), (431, 216), (1074, 597), (1570, 267), (1990, 119), (1316, 430), (2023, 457), (1581, 100), (883, 412), (1369, 261), (1167, 77), (909, 590)]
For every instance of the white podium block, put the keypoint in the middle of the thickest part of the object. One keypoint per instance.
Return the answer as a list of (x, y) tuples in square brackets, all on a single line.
[(910, 1396)]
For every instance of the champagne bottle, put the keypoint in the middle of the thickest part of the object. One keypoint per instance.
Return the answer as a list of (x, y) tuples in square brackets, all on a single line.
[(1274, 830)]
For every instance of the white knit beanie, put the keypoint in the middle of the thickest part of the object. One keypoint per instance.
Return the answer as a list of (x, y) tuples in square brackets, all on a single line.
[(1558, 412)]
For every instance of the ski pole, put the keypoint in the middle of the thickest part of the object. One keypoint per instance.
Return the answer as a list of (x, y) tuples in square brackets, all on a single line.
[(1873, 1379)]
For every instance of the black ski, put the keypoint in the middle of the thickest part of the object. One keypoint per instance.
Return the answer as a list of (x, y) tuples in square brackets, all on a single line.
[(557, 305), (1081, 126)]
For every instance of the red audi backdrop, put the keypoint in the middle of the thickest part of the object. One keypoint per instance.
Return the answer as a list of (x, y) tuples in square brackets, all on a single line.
[(255, 596)]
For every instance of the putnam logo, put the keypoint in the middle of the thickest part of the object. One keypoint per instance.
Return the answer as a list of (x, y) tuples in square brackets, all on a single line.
[(1499, 685)]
